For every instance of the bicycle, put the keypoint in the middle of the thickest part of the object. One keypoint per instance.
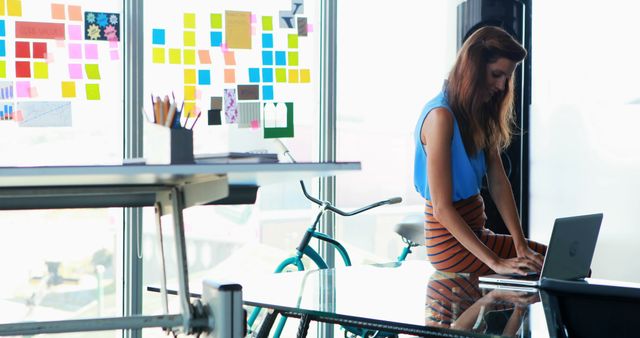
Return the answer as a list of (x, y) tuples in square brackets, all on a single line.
[(304, 249)]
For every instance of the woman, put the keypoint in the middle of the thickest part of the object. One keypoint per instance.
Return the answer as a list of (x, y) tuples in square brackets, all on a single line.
[(459, 137)]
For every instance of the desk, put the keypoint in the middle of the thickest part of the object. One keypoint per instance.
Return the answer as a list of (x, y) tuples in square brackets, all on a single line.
[(170, 188), (414, 299)]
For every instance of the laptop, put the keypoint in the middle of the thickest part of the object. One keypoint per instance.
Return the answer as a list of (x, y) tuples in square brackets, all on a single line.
[(569, 253)]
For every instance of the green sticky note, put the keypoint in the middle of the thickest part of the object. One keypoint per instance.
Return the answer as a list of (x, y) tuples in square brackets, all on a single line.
[(293, 58), (93, 91), (68, 89), (93, 71), (189, 57), (158, 55), (40, 70), (216, 20), (189, 38), (189, 20), (267, 23), (175, 56), (281, 75), (293, 41), (3, 69)]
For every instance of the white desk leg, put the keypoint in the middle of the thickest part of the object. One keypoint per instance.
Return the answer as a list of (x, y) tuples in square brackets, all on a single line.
[(177, 203), (163, 277)]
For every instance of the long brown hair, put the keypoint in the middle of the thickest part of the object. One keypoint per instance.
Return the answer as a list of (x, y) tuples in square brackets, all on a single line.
[(483, 125)]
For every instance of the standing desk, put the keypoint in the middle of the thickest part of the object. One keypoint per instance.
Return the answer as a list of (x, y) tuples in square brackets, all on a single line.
[(170, 188)]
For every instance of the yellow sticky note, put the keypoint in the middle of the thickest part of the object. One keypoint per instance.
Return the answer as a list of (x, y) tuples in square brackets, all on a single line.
[(175, 56), (229, 76), (189, 20), (189, 93), (1, 7), (216, 20), (93, 71), (189, 38), (267, 23), (68, 89), (189, 109), (14, 7), (293, 40), (40, 70), (93, 91), (238, 29), (189, 76), (158, 55), (281, 75), (293, 76), (3, 69), (305, 75), (189, 57)]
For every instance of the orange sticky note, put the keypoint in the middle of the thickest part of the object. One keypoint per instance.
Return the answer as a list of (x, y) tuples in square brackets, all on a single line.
[(205, 57), (229, 76), (57, 11), (74, 13), (230, 58)]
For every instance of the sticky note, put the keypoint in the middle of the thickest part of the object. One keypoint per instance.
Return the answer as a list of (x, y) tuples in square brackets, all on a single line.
[(3, 69), (229, 76), (293, 58), (158, 36), (293, 76), (204, 77), (267, 23), (68, 89), (75, 32), (23, 69), (3, 48), (14, 7), (93, 71), (281, 75), (189, 76), (158, 55), (267, 74), (190, 20), (175, 56), (267, 92), (292, 41), (114, 55), (23, 89), (216, 21), (91, 51), (309, 28), (305, 75), (40, 70), (93, 91), (39, 50), (58, 12), (189, 38), (75, 71), (230, 58), (75, 51), (267, 58), (23, 49), (189, 109), (189, 93), (281, 58), (189, 57), (254, 75), (205, 57), (267, 40), (216, 39), (238, 29), (75, 13), (3, 31)]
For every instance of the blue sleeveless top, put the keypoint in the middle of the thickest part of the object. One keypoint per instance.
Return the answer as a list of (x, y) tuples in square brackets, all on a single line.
[(467, 172)]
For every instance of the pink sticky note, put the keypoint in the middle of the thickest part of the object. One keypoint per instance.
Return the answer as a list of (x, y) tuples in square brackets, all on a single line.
[(75, 32), (60, 43), (33, 92), (198, 94), (75, 71), (91, 51), (18, 116), (253, 30), (50, 57), (223, 47), (113, 44), (309, 28), (23, 88), (75, 51), (253, 18), (115, 55), (255, 124)]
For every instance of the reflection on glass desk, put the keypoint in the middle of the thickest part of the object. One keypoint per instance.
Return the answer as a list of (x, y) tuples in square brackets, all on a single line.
[(414, 299)]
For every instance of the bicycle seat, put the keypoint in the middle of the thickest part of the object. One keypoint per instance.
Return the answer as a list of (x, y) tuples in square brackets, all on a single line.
[(412, 228)]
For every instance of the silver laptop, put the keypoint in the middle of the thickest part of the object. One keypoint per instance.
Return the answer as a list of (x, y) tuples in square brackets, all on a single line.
[(569, 253)]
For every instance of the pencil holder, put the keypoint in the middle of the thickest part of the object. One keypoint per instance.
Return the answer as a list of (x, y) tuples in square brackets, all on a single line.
[(164, 145)]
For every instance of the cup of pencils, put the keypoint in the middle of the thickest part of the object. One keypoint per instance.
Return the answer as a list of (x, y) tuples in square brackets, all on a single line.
[(166, 140)]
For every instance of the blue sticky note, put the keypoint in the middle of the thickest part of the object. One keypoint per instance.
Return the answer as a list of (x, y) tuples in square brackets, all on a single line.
[(267, 74), (281, 58), (254, 75), (2, 30), (3, 48), (267, 58), (267, 92), (204, 77), (216, 39), (158, 36), (267, 40)]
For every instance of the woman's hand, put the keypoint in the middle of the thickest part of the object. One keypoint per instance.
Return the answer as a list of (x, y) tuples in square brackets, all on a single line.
[(516, 265), (527, 252)]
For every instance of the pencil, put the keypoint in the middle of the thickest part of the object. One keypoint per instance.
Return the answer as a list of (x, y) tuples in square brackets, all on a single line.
[(194, 122), (170, 115)]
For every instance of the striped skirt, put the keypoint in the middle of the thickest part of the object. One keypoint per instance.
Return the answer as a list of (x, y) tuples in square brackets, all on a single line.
[(447, 254)]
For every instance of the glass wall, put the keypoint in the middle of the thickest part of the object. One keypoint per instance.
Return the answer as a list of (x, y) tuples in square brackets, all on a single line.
[(585, 109), (61, 91)]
